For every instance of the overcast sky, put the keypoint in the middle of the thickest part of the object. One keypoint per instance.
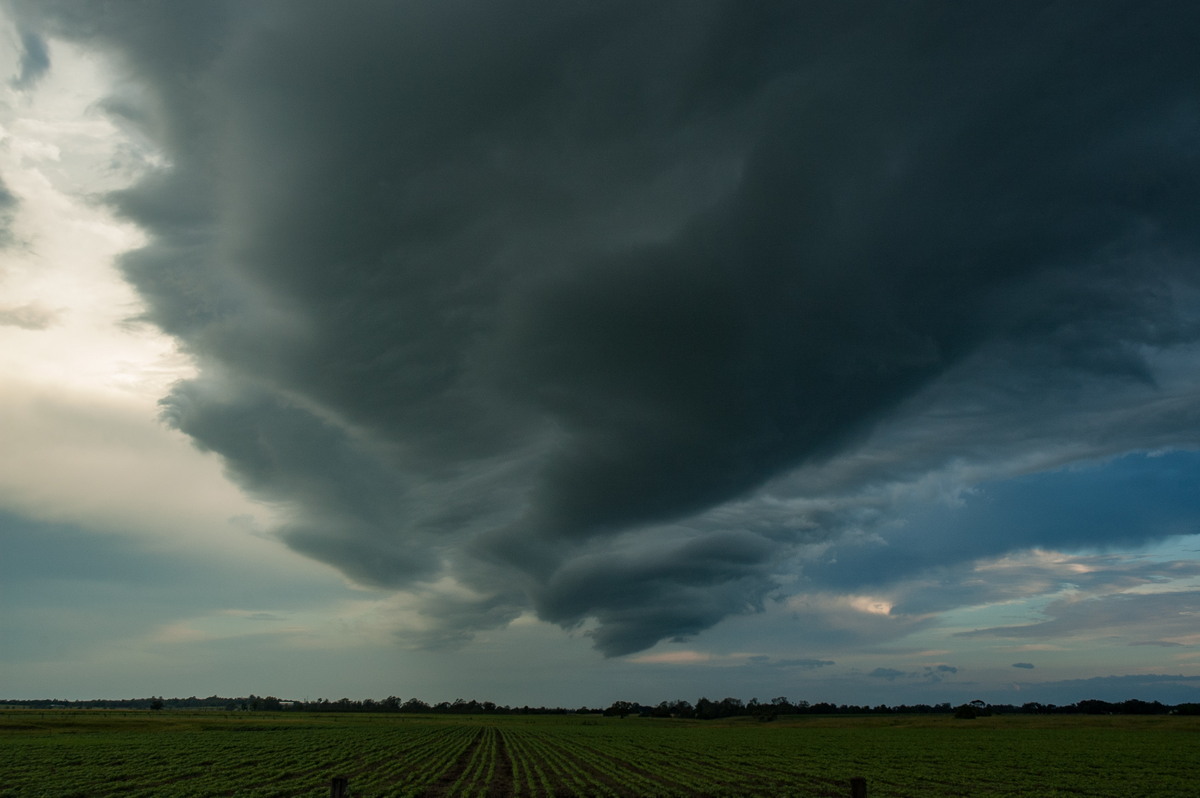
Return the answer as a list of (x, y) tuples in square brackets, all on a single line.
[(566, 352)]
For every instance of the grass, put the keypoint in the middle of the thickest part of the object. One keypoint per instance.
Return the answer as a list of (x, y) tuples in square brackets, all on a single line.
[(98, 753)]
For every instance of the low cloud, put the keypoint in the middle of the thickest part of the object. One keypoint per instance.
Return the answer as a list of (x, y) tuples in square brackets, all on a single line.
[(891, 674), (936, 673), (1026, 665)]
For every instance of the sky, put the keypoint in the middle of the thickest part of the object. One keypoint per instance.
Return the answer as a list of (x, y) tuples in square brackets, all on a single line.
[(558, 353)]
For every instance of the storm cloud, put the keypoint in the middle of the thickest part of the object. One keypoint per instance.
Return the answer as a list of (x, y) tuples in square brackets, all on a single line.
[(605, 311)]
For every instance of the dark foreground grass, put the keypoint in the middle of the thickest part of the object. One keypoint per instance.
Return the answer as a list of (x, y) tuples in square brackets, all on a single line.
[(98, 753)]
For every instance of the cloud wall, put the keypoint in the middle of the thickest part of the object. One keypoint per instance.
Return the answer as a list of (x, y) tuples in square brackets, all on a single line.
[(606, 311)]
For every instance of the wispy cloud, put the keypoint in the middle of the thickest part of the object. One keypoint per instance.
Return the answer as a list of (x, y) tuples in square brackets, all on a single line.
[(28, 317), (803, 664), (1117, 614), (673, 658)]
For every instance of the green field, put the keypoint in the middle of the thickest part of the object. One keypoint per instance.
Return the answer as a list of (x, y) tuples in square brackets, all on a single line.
[(91, 754)]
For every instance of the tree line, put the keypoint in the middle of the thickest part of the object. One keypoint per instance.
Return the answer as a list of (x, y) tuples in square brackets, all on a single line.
[(705, 709), (702, 709)]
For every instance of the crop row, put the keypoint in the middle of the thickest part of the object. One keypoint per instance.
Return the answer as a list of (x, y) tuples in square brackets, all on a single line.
[(490, 758)]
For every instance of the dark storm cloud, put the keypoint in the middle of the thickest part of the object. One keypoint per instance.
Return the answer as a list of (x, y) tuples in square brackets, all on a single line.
[(35, 61), (675, 592), (529, 294)]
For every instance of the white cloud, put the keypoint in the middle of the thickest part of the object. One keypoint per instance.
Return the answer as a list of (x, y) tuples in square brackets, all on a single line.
[(79, 380), (673, 658)]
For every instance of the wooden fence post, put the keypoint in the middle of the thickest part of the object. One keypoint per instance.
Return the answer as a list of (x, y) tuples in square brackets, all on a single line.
[(858, 787), (339, 787)]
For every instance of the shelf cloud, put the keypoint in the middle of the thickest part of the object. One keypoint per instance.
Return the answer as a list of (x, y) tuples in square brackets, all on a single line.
[(611, 312)]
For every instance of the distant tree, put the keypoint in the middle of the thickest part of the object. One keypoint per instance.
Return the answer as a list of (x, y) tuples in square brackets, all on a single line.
[(975, 709), (1094, 706), (1136, 706), (156, 704), (761, 712), (682, 709), (729, 707), (621, 709)]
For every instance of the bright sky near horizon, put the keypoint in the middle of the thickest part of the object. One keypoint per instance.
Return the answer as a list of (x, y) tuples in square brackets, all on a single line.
[(560, 355)]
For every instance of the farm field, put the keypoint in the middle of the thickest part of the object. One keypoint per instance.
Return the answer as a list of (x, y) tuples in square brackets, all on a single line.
[(92, 754)]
